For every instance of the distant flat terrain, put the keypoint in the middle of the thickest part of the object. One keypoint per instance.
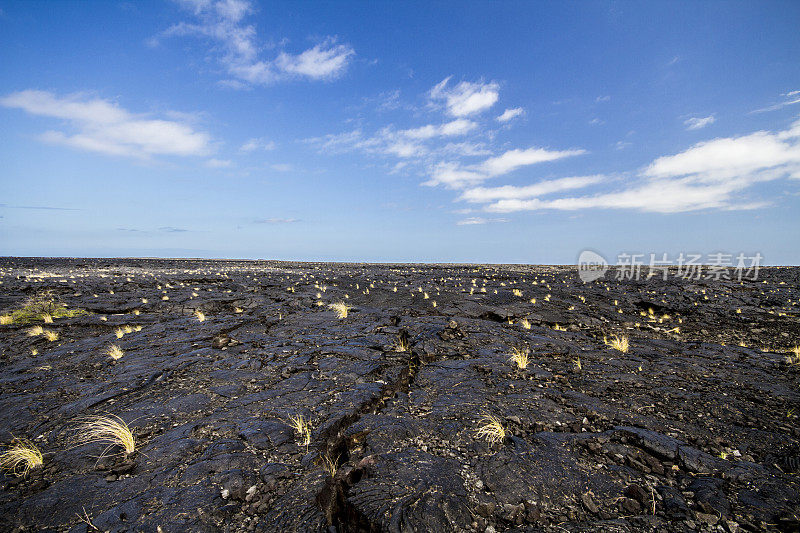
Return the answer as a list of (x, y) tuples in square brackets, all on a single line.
[(694, 427)]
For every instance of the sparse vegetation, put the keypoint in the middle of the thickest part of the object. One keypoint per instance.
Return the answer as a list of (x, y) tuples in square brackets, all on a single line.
[(619, 343), (331, 465), (519, 358), (491, 429), (111, 430), (21, 457), (114, 352), (302, 428), (340, 308), (42, 307)]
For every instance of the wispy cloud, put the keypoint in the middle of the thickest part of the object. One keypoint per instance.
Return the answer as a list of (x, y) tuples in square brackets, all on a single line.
[(507, 192), (474, 221), (238, 50), (406, 143), (466, 98), (40, 207), (455, 176), (510, 114), (99, 125), (696, 123), (259, 143), (789, 98), (715, 174), (276, 221), (218, 163)]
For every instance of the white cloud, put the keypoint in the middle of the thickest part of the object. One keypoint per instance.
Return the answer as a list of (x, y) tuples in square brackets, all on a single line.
[(273, 221), (408, 143), (510, 114), (714, 174), (466, 98), (507, 192), (103, 126), (696, 123), (456, 127), (238, 49), (455, 176), (257, 143), (218, 163), (326, 60), (514, 159), (731, 157), (473, 221), (659, 197), (790, 98), (282, 167)]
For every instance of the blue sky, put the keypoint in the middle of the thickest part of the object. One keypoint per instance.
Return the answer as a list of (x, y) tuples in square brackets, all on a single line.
[(518, 132)]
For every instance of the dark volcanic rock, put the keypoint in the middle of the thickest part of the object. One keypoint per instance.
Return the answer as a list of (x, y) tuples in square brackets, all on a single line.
[(693, 428)]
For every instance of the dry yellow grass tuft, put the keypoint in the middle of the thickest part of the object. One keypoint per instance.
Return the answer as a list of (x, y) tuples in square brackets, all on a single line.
[(491, 429), (340, 308), (107, 429), (50, 335), (200, 315), (331, 465), (35, 331), (519, 358), (302, 428), (114, 352), (5, 320), (119, 332), (21, 457), (525, 323), (618, 343)]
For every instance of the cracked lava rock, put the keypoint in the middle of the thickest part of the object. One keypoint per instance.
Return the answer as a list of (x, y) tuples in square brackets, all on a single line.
[(693, 428)]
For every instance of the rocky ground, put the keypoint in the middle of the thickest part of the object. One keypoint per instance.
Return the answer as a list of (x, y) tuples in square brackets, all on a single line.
[(694, 428)]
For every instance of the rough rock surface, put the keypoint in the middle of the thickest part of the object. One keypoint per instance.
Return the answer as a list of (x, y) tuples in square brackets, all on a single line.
[(695, 428)]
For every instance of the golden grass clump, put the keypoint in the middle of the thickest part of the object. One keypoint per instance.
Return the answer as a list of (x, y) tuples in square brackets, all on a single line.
[(302, 428), (6, 320), (50, 335), (794, 356), (200, 315), (402, 344), (119, 332), (114, 352), (331, 465), (111, 430), (21, 457), (491, 429), (35, 331), (526, 324), (618, 343), (519, 358), (340, 308)]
